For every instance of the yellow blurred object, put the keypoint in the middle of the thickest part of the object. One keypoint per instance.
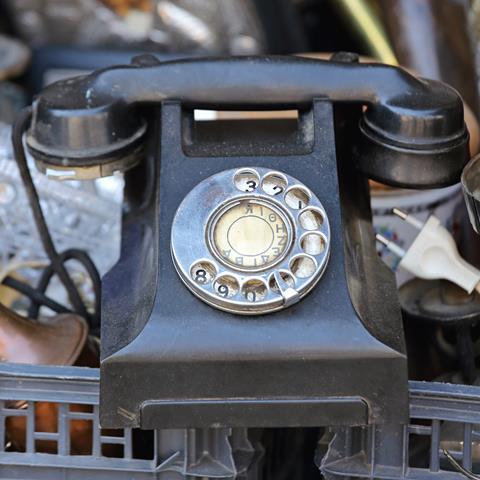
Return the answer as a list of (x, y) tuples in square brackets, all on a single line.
[(370, 28), (8, 295)]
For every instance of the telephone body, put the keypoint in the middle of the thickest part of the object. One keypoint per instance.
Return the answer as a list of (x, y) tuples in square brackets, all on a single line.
[(248, 291)]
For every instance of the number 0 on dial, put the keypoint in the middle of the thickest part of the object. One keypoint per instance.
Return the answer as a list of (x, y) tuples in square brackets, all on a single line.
[(250, 241)]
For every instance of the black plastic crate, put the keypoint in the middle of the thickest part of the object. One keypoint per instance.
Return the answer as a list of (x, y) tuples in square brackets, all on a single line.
[(222, 453), (444, 422)]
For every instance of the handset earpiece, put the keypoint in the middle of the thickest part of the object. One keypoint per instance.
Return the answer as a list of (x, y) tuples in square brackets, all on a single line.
[(416, 139), (77, 134), (411, 135)]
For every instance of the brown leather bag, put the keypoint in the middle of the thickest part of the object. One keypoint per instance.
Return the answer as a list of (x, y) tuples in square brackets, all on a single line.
[(59, 340)]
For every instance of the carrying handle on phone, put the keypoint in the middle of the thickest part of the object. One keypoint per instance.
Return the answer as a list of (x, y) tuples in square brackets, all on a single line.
[(406, 120)]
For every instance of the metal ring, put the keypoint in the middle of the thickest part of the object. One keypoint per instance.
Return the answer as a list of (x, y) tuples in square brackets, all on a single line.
[(192, 242)]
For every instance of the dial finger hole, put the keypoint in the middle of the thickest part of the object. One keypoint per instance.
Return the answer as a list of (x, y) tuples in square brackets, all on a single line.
[(310, 219), (254, 290), (313, 243), (226, 286), (286, 277), (303, 266), (297, 198), (203, 272), (246, 180), (274, 184)]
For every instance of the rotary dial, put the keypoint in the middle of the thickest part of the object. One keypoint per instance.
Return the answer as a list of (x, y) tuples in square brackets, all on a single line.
[(250, 241)]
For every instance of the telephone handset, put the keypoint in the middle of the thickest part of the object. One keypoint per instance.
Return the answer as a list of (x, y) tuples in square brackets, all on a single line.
[(258, 240), (412, 133), (250, 225)]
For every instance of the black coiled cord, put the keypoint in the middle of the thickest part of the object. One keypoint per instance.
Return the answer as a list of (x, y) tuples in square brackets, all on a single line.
[(57, 260)]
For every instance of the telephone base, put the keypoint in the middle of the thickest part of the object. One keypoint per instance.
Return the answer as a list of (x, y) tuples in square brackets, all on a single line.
[(336, 357)]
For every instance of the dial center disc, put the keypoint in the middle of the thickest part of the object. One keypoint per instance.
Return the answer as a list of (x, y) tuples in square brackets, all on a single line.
[(250, 235)]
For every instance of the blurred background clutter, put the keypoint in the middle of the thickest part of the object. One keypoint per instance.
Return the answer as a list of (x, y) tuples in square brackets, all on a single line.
[(42, 41)]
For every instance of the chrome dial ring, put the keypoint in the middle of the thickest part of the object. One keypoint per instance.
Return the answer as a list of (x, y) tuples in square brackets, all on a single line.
[(250, 240)]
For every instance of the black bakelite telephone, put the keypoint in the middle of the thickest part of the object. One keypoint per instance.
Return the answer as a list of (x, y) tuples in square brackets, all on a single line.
[(249, 291)]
